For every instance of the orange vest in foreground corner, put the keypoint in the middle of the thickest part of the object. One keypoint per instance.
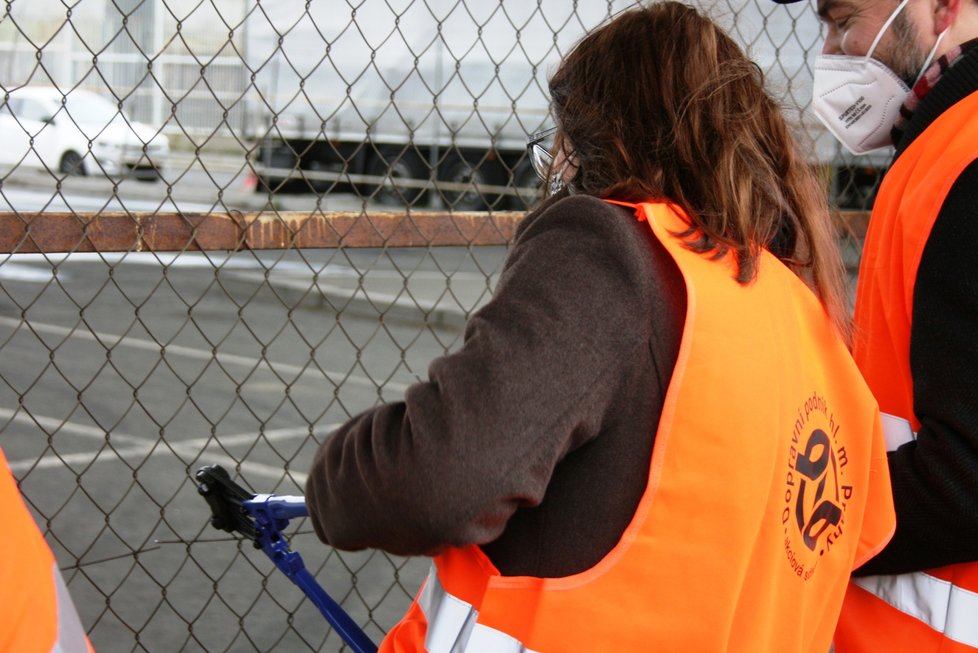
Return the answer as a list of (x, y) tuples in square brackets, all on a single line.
[(36, 612), (935, 610), (768, 483)]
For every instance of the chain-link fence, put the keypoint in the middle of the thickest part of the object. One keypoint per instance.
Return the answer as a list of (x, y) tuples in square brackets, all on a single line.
[(231, 225)]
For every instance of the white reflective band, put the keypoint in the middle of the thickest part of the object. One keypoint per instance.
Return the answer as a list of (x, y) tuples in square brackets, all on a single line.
[(896, 431), (946, 608), (452, 626), (450, 620), (71, 635)]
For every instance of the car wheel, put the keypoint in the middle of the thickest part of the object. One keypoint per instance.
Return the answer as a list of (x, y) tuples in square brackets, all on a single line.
[(147, 175), (397, 165), (528, 186), (71, 164)]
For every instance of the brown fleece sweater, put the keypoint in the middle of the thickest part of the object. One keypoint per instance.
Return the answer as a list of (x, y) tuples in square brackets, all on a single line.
[(534, 439)]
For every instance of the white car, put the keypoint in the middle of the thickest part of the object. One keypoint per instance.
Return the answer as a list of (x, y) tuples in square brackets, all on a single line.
[(77, 132)]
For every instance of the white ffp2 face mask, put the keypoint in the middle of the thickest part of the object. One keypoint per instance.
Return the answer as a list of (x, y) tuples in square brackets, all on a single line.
[(858, 99)]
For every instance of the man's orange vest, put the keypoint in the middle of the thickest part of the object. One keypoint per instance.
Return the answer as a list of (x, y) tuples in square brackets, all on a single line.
[(768, 454), (36, 612), (935, 610)]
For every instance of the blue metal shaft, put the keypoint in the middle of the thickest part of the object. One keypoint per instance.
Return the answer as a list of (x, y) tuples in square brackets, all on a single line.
[(271, 514)]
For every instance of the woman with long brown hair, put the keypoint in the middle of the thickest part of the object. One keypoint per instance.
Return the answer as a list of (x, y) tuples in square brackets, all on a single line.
[(653, 436)]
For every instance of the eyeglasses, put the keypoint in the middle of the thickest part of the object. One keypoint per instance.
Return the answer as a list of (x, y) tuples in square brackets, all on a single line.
[(540, 150)]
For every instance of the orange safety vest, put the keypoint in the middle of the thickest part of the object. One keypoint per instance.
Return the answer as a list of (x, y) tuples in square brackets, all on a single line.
[(36, 612), (937, 609), (768, 453)]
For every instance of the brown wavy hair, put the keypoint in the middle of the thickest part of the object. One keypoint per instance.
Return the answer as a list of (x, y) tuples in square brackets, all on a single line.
[(660, 104)]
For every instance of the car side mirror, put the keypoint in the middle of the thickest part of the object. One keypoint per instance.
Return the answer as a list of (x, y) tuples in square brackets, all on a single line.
[(49, 120)]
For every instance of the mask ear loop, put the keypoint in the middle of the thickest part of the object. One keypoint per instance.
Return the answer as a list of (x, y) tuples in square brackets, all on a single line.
[(886, 26), (930, 57)]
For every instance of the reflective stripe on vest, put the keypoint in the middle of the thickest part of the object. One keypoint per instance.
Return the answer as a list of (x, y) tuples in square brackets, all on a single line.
[(71, 634), (896, 431), (939, 604), (452, 625)]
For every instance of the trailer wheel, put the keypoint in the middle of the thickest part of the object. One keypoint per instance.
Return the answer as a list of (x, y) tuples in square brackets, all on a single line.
[(397, 165), (474, 177), (529, 187)]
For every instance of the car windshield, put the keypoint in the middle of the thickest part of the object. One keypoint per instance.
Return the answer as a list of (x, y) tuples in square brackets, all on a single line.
[(88, 108)]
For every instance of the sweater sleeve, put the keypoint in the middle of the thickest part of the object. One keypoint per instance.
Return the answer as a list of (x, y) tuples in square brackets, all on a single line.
[(480, 438), (935, 478)]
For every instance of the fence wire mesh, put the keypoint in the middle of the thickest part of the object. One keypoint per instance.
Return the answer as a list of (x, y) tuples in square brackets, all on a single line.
[(227, 227)]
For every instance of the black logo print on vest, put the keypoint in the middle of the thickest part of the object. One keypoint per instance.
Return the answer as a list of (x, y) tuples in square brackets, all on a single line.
[(816, 510)]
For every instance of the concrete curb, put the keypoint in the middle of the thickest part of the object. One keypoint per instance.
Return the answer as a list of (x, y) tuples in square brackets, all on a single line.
[(232, 196)]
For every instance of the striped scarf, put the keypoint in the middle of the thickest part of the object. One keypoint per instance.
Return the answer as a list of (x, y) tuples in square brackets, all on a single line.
[(926, 82)]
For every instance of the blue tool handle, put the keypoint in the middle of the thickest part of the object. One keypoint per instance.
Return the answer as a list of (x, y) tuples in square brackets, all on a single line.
[(271, 514), (335, 615)]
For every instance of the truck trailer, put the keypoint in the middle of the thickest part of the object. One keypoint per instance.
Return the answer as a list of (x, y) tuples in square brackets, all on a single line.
[(431, 102)]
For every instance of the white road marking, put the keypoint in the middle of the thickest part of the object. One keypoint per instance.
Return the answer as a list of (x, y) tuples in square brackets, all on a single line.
[(112, 340), (144, 446)]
